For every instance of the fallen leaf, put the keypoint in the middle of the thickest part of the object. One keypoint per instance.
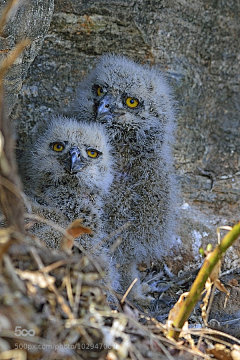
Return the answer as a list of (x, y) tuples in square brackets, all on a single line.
[(216, 271), (174, 311), (233, 282), (220, 352), (222, 288), (142, 267), (208, 287), (74, 230)]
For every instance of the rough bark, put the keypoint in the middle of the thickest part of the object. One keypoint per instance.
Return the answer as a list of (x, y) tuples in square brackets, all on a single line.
[(11, 202), (31, 20)]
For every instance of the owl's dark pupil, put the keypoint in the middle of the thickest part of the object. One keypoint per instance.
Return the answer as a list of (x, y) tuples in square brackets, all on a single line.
[(59, 146), (132, 101), (92, 152)]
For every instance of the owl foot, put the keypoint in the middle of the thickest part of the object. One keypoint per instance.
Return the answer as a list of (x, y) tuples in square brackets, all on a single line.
[(144, 301), (140, 297)]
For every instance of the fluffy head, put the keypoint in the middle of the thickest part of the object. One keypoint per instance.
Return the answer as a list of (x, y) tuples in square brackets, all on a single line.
[(72, 153), (127, 96)]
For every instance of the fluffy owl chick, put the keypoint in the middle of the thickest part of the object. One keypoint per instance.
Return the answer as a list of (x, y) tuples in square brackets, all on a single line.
[(135, 104), (68, 174)]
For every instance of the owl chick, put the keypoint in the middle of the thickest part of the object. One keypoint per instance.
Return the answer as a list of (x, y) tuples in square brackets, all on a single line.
[(135, 104), (67, 174)]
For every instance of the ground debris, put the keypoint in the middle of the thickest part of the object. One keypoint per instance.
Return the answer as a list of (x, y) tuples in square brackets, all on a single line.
[(53, 306)]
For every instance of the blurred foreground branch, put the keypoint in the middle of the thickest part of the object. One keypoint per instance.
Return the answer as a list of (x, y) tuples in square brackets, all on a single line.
[(10, 185), (10, 200)]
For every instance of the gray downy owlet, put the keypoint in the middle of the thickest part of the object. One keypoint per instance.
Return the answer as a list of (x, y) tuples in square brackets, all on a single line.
[(135, 105), (67, 172)]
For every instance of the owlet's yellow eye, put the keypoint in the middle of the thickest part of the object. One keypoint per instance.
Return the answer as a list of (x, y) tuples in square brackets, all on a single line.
[(131, 102), (92, 153), (58, 146), (100, 91)]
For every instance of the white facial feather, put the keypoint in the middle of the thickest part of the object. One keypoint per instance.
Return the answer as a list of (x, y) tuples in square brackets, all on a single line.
[(45, 163)]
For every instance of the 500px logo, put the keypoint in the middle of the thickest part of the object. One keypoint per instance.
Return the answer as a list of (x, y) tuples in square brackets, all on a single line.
[(23, 332)]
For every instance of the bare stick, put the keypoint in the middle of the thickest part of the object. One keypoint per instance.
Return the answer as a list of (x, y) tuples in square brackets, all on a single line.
[(128, 290), (12, 56), (6, 12)]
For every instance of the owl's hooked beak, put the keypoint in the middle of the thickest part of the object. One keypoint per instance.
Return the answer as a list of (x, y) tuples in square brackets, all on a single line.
[(105, 108), (74, 161)]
